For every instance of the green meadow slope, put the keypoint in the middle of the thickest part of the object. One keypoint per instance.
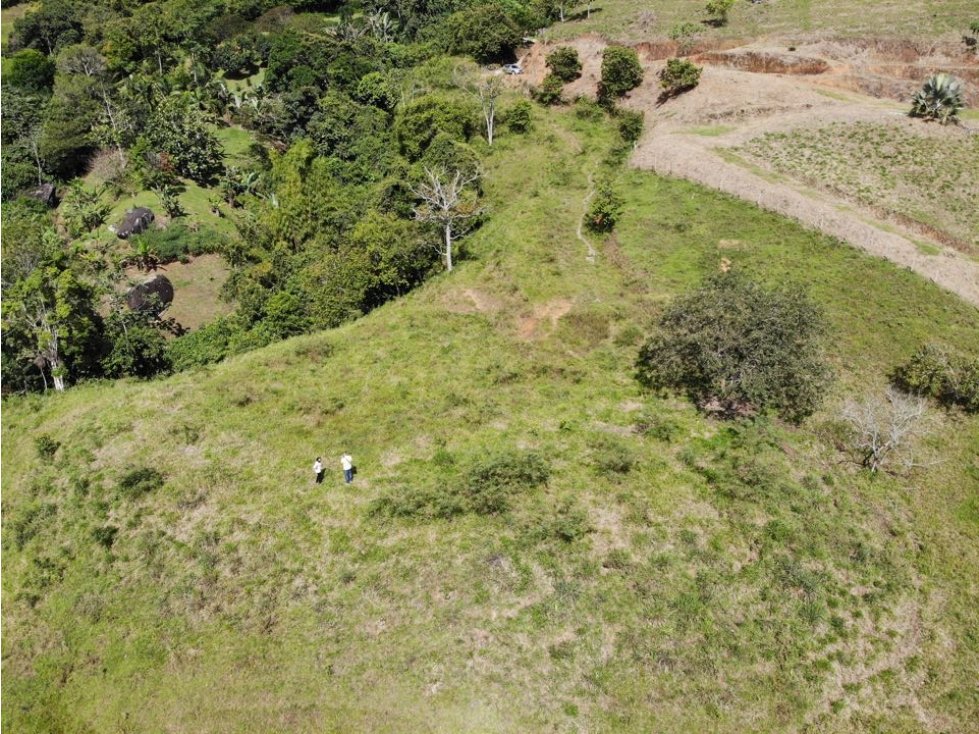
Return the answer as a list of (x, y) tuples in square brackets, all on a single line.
[(689, 576)]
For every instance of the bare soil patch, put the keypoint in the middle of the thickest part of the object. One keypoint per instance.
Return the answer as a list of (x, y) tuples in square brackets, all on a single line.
[(530, 326)]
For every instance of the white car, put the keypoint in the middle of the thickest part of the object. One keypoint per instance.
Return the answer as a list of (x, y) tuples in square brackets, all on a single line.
[(512, 69)]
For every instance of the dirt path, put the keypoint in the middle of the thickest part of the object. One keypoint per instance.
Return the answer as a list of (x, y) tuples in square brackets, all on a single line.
[(687, 138)]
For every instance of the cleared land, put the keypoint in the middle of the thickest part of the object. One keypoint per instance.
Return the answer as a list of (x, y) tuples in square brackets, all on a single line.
[(197, 289), (924, 180), (732, 578), (751, 91)]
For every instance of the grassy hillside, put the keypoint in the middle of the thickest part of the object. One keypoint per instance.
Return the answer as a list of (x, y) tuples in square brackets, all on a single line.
[(636, 20), (689, 576)]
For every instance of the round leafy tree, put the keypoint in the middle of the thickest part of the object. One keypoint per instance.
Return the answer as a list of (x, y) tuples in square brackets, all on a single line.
[(621, 71), (737, 348), (484, 32)]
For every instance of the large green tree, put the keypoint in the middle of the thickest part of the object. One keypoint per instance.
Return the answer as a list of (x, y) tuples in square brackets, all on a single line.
[(737, 347)]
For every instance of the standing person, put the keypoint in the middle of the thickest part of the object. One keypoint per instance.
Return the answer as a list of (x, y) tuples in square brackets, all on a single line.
[(318, 470), (347, 462)]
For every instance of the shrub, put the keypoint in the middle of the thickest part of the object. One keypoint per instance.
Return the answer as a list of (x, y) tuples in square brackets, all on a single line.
[(737, 348), (939, 99), (418, 502), (621, 71), (684, 34), (679, 75), (566, 523), (613, 456), (605, 208), (105, 535), (377, 90), (492, 481), (423, 119), (630, 125), (46, 447), (177, 241), (564, 64), (136, 346), (659, 427), (717, 11), (950, 377), (83, 209), (549, 92), (518, 117), (139, 481)]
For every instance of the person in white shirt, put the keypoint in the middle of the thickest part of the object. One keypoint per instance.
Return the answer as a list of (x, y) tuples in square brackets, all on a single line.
[(318, 470), (347, 462)]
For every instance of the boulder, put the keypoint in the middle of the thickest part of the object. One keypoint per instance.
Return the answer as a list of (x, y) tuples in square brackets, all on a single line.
[(153, 294), (44, 193), (135, 221)]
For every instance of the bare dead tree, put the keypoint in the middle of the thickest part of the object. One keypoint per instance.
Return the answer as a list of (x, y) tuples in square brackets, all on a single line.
[(447, 202), (488, 91), (885, 427)]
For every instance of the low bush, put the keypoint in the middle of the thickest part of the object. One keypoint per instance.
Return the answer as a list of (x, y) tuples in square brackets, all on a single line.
[(46, 447), (549, 92), (564, 64), (678, 76), (585, 109), (105, 535), (492, 481), (605, 208), (737, 348), (487, 486), (139, 481), (518, 118), (612, 456), (29, 522), (178, 242), (418, 502), (949, 377), (685, 34), (630, 125), (657, 426), (565, 523)]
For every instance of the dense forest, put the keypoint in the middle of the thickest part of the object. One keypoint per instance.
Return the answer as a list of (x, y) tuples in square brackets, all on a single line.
[(354, 111)]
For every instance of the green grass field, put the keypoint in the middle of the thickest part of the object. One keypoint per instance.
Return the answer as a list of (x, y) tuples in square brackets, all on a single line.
[(638, 20), (694, 576)]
